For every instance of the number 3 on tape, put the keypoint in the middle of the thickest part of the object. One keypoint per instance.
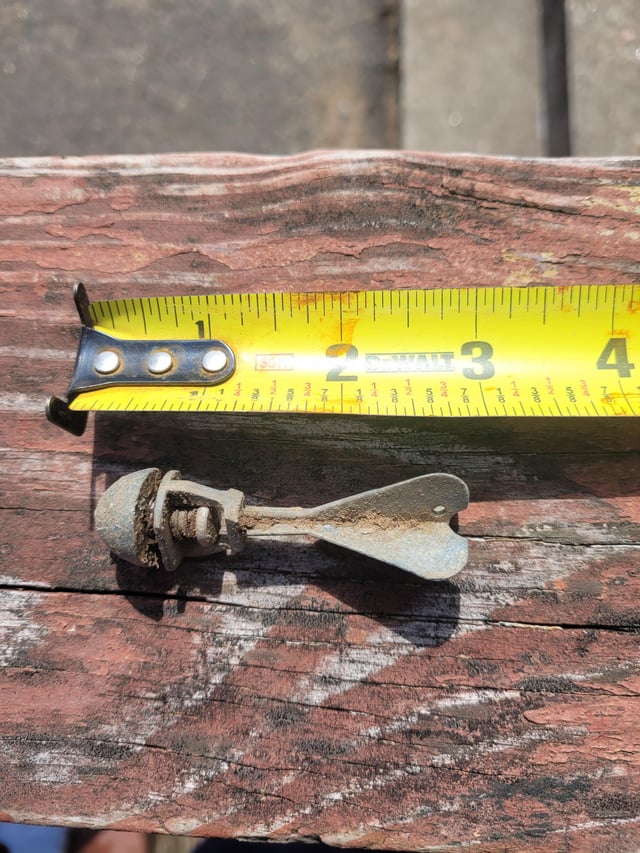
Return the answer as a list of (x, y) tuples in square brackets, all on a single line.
[(472, 352)]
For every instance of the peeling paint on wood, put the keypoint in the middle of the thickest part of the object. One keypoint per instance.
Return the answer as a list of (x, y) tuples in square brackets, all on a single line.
[(294, 691)]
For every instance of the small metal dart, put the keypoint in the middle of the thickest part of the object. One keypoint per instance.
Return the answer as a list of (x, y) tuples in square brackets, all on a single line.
[(153, 520)]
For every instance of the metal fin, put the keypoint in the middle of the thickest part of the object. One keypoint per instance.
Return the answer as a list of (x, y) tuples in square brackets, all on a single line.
[(406, 524)]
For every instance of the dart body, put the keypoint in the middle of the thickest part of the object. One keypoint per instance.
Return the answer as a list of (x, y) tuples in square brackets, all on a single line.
[(153, 520)]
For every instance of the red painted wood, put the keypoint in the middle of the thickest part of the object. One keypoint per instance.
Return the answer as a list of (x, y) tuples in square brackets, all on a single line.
[(295, 692)]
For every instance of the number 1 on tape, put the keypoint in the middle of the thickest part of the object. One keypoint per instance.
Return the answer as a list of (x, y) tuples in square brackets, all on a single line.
[(473, 352)]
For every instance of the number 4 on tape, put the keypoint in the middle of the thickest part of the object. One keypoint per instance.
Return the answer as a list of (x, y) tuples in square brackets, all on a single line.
[(458, 352)]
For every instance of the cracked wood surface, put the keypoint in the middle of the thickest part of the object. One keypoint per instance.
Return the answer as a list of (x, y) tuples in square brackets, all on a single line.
[(295, 691)]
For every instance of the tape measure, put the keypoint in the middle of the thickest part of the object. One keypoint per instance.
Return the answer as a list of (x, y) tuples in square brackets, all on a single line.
[(472, 352)]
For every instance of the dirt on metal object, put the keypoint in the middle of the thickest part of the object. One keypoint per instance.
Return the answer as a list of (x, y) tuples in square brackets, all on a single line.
[(151, 520), (129, 531)]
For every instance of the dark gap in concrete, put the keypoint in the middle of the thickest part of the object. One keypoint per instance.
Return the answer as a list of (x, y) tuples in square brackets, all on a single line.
[(556, 89), (391, 29)]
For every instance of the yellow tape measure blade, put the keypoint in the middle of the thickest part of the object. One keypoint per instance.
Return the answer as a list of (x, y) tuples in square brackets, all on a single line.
[(538, 351)]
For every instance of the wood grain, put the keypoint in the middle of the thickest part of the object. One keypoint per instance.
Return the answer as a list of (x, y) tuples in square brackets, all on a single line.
[(296, 691)]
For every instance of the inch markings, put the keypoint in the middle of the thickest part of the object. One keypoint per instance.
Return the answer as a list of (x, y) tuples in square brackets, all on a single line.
[(523, 352)]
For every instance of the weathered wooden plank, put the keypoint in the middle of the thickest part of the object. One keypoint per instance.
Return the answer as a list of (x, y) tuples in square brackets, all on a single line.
[(299, 735), (295, 691)]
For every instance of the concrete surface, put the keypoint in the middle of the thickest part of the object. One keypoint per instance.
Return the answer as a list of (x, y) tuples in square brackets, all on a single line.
[(471, 76), (134, 76), (604, 76), (280, 76)]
